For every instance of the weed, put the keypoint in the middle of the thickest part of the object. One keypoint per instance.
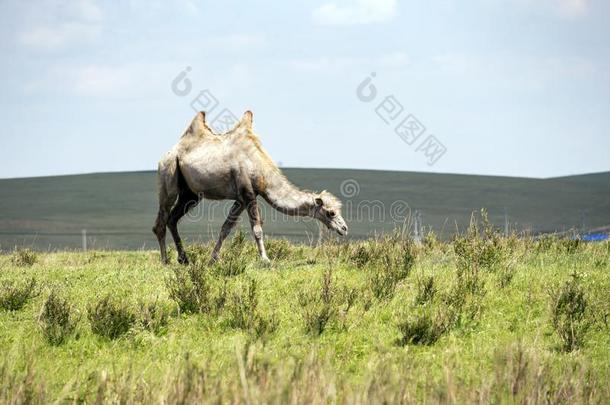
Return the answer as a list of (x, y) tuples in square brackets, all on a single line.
[(431, 241), (190, 289), (382, 284), (245, 314), (13, 296), (481, 247), (361, 256), (570, 246), (392, 261), (462, 305), (425, 290), (281, 249), (153, 317), (545, 243), (24, 258), (110, 318), (21, 387), (320, 306), (235, 260), (57, 319), (199, 254), (568, 314), (422, 327), (505, 277)]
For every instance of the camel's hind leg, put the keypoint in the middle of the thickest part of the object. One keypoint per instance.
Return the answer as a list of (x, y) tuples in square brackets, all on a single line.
[(165, 206), (186, 200)]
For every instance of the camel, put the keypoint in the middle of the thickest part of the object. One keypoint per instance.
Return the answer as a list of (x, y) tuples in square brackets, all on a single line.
[(231, 166)]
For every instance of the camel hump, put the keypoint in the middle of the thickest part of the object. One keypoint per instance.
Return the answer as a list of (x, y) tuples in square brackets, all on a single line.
[(244, 125), (247, 118), (198, 126)]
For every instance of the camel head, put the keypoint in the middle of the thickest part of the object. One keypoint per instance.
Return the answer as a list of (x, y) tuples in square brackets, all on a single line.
[(327, 210)]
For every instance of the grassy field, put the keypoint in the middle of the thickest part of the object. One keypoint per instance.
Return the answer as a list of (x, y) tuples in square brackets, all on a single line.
[(118, 209), (482, 319)]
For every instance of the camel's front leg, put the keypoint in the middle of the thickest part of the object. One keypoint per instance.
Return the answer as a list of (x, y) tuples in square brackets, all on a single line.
[(227, 227), (256, 223)]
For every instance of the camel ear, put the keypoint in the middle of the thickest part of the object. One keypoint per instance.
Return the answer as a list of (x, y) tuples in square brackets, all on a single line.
[(319, 201)]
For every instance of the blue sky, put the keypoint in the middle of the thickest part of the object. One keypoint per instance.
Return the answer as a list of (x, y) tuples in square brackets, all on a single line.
[(507, 87)]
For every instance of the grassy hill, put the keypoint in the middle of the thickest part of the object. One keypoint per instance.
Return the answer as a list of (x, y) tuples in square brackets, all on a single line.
[(118, 209)]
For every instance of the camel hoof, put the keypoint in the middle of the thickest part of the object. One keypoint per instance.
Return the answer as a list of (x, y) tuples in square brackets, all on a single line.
[(266, 262), (213, 260), (182, 259)]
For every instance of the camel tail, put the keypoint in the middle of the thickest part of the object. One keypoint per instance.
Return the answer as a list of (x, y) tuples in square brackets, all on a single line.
[(182, 184)]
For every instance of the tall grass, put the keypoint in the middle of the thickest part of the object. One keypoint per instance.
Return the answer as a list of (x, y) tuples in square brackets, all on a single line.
[(57, 319), (569, 313), (15, 294)]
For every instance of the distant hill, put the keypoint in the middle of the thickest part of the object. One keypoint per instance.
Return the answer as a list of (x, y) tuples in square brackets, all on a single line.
[(118, 209)]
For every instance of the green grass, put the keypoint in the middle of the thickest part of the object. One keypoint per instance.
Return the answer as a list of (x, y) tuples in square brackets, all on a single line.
[(472, 334), (118, 209)]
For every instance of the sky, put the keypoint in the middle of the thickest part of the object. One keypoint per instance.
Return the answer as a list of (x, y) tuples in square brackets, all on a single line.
[(495, 87)]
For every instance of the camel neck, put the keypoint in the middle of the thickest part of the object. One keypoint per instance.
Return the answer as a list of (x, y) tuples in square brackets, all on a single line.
[(285, 196)]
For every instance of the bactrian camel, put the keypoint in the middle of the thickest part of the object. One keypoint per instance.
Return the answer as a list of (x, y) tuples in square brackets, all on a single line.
[(231, 166)]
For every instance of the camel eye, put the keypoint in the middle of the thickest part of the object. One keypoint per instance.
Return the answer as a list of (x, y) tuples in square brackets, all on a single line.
[(330, 214)]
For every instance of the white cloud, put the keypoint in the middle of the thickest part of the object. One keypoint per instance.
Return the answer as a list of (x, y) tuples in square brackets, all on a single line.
[(97, 80), (163, 7), (58, 36), (359, 12), (572, 8), (117, 81), (564, 8), (236, 42), (514, 68), (59, 23), (391, 60), (86, 10)]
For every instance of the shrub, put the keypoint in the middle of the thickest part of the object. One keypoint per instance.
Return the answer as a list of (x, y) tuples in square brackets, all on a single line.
[(480, 247), (568, 314), (425, 290), (187, 294), (231, 265), (569, 246), (199, 254), (24, 257), (189, 288), (110, 318), (462, 304), (361, 256), (153, 317), (245, 314), (382, 284), (235, 260), (195, 290), (421, 328), (13, 296), (392, 261), (57, 319), (545, 243), (326, 303), (319, 307), (505, 277), (279, 249), (431, 241)]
